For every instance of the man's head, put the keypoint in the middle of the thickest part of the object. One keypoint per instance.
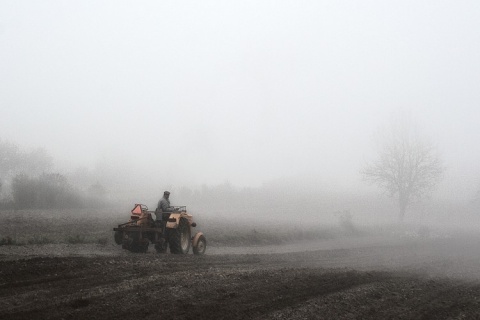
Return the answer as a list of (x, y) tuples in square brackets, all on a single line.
[(166, 194)]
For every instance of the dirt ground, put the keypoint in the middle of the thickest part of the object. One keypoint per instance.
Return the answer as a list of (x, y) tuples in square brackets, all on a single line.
[(408, 279)]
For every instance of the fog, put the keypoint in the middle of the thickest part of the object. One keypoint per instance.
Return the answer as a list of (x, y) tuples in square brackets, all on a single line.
[(150, 95)]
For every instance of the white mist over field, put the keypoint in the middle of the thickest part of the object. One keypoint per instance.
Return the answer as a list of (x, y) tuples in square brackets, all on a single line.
[(150, 95)]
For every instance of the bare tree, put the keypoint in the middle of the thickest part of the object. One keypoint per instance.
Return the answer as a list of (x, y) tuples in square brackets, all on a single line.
[(407, 166)]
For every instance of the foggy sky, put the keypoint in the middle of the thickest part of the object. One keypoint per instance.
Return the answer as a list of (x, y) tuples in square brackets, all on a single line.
[(239, 91)]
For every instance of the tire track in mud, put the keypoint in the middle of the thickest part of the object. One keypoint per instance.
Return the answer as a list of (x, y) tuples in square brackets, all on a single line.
[(395, 297), (445, 300), (287, 288)]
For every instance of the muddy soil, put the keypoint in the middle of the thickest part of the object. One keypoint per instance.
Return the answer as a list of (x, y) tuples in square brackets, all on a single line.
[(428, 279)]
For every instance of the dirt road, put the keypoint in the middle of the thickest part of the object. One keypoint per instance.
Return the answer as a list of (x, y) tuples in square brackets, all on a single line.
[(429, 279)]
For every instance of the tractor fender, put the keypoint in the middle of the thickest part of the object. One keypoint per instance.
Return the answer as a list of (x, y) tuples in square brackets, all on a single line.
[(195, 238), (174, 220)]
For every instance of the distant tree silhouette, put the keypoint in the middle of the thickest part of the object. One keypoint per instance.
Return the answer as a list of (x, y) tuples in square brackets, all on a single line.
[(14, 161), (407, 166), (23, 191)]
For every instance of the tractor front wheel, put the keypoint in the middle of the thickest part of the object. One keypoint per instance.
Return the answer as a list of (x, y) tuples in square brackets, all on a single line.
[(201, 245)]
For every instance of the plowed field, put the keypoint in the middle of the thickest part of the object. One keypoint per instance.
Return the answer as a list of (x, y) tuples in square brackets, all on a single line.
[(414, 279)]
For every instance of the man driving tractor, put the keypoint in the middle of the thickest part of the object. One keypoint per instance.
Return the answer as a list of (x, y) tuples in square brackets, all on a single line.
[(164, 203), (172, 228), (162, 213)]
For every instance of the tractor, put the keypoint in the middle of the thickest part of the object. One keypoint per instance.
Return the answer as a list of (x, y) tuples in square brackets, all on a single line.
[(175, 233)]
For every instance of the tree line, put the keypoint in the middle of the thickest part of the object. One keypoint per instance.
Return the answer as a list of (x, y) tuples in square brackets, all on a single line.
[(406, 165), (27, 181)]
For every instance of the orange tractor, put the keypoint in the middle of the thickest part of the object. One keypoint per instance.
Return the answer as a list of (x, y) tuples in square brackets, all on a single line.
[(176, 233)]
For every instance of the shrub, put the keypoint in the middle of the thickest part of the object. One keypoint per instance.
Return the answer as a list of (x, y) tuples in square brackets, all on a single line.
[(346, 222), (76, 239), (6, 241)]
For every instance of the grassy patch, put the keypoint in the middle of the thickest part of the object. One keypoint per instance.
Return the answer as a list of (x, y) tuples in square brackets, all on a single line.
[(222, 235), (102, 241)]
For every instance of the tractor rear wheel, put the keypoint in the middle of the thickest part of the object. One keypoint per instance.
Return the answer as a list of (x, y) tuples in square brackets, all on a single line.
[(179, 239), (201, 245)]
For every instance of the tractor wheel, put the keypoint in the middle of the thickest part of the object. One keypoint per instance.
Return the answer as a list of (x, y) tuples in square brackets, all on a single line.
[(118, 236), (179, 238), (201, 246)]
